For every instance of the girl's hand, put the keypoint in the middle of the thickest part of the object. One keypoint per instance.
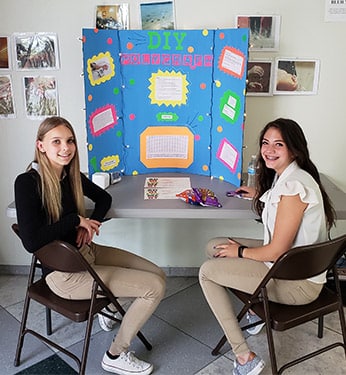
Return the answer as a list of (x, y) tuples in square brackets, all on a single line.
[(227, 250), (90, 228), (82, 237), (246, 191)]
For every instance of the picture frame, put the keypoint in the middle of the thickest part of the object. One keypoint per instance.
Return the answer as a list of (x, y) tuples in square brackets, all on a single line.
[(296, 76), (5, 62), (260, 77), (264, 31), (36, 51), (157, 15), (7, 109), (115, 17), (41, 96)]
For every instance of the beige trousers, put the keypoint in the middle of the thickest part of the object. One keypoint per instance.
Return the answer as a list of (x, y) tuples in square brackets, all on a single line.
[(126, 275), (218, 274)]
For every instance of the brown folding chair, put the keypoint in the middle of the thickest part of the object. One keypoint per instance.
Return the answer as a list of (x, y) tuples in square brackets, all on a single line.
[(61, 256), (297, 264), (38, 265)]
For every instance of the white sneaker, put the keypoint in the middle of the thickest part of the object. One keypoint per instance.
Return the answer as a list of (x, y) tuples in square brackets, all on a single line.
[(126, 364), (254, 319), (105, 323)]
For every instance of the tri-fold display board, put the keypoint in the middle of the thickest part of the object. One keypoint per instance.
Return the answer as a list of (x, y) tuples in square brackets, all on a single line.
[(165, 101)]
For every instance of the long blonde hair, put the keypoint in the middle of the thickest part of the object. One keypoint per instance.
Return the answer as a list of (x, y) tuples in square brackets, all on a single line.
[(50, 182)]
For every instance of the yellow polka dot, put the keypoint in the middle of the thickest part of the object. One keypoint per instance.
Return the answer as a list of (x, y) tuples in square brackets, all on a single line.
[(217, 83), (221, 178), (205, 32), (134, 173), (90, 146)]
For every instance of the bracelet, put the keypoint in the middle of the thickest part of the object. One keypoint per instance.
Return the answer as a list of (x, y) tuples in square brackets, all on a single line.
[(240, 250)]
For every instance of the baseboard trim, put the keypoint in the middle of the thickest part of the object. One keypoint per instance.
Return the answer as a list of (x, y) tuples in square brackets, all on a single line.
[(14, 270), (169, 271)]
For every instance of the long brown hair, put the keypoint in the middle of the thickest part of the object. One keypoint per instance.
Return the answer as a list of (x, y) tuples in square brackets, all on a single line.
[(50, 183), (295, 140)]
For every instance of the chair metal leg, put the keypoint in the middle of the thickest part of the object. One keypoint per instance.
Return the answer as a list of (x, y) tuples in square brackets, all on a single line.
[(341, 307), (220, 344), (48, 321), (343, 325), (22, 330), (320, 327), (88, 331), (270, 338)]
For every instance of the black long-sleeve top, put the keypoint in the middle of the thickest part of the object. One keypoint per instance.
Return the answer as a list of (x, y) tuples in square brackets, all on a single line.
[(34, 227)]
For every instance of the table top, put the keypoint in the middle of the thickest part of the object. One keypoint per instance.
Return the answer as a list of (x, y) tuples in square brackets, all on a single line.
[(129, 202)]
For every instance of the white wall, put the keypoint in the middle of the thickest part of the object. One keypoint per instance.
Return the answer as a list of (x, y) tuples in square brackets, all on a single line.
[(304, 34)]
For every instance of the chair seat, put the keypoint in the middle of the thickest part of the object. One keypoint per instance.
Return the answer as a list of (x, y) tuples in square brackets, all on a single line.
[(76, 310), (284, 317)]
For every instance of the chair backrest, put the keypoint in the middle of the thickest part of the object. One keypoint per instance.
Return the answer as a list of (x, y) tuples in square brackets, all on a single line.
[(58, 255), (304, 262), (61, 256), (15, 228)]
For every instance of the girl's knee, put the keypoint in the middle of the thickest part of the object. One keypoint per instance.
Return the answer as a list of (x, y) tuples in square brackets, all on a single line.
[(158, 286), (204, 271)]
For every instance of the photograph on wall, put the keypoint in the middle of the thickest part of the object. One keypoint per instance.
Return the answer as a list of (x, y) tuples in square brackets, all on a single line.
[(36, 51), (259, 78), (6, 97), (157, 16), (115, 17), (4, 54), (296, 76), (264, 31), (40, 95)]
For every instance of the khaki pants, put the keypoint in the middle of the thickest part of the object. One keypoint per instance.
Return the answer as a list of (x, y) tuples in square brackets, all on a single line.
[(126, 275), (218, 274)]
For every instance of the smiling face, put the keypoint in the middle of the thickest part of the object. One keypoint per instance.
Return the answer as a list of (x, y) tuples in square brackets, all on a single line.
[(59, 146), (274, 151)]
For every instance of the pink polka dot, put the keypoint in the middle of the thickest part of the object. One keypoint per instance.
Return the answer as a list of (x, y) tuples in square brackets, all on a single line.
[(197, 137), (132, 116), (109, 41)]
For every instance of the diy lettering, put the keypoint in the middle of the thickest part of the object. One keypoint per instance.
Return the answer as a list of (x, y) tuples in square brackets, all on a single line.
[(155, 40)]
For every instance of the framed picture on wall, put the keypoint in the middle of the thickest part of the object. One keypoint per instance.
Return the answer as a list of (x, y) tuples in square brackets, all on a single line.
[(112, 17), (41, 96), (259, 78), (36, 51), (4, 54), (296, 76), (264, 31), (6, 97), (157, 15)]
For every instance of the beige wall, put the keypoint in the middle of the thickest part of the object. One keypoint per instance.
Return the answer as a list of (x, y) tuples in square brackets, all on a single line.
[(304, 34)]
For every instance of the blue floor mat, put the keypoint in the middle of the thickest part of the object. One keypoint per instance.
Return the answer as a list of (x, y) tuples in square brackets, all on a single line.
[(53, 365)]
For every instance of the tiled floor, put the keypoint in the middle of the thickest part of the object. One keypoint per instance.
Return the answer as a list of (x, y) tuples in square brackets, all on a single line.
[(182, 330)]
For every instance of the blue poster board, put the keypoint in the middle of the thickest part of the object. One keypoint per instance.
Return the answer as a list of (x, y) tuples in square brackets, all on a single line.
[(165, 101)]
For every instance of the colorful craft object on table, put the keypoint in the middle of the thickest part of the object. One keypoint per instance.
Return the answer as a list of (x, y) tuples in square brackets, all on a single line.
[(200, 197)]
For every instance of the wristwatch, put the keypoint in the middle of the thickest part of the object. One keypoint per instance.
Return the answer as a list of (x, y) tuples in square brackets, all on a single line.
[(240, 250)]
